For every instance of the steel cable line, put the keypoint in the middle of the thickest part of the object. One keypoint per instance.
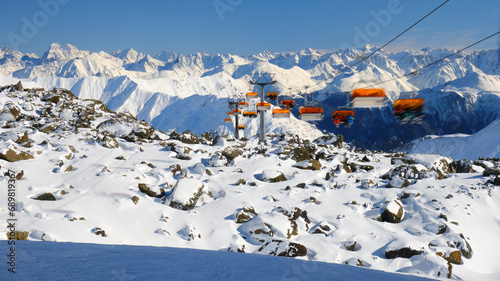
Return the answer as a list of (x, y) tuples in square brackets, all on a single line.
[(416, 72), (365, 58), (433, 63), (380, 48)]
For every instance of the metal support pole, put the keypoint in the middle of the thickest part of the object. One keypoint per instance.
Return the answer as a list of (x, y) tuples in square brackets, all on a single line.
[(262, 79), (237, 127), (262, 133)]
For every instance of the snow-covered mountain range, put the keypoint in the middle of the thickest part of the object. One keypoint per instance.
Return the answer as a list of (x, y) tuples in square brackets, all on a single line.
[(189, 92), (85, 174), (484, 143)]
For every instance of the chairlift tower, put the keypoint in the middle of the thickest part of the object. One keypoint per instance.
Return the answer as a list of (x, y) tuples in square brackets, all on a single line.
[(262, 79), (233, 104)]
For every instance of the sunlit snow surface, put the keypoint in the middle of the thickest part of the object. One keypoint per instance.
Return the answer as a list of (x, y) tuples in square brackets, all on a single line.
[(76, 261), (485, 143)]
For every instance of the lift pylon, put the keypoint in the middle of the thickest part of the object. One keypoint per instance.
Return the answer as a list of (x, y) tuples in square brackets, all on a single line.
[(262, 79)]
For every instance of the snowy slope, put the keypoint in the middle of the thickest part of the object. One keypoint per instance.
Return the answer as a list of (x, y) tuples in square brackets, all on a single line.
[(117, 181), (149, 87), (485, 143), (72, 261), (198, 104)]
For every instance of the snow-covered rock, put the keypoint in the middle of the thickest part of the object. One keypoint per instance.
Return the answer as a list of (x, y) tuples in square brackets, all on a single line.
[(186, 193)]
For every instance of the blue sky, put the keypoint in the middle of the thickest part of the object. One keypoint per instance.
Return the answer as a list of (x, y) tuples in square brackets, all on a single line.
[(244, 26)]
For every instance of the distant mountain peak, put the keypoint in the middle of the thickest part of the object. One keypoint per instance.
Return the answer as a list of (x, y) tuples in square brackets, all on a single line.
[(58, 51), (129, 55)]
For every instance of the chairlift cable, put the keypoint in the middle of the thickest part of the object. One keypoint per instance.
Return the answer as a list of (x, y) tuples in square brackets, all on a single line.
[(433, 63), (365, 58), (374, 52)]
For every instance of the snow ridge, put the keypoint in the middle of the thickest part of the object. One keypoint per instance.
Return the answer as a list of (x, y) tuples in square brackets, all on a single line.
[(461, 93)]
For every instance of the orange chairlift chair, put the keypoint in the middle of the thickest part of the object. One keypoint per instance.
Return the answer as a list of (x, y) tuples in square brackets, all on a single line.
[(343, 115), (252, 95), (311, 113), (361, 98), (242, 105), (263, 106), (281, 113), (287, 103), (272, 96), (409, 110)]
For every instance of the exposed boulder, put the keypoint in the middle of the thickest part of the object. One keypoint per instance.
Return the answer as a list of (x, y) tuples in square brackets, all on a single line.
[(339, 141), (449, 243), (219, 141), (398, 182), (70, 168), (367, 183), (246, 214), (311, 164), (322, 228), (148, 190), (301, 185), (20, 175), (405, 171), (48, 128), (46, 197), (303, 153), (437, 228), (182, 152), (10, 112), (143, 130), (271, 175), (13, 156), (495, 181), (461, 166), (231, 152), (365, 167), (189, 233), (186, 193), (187, 138), (282, 248), (53, 98), (453, 257), (217, 160), (393, 212), (330, 174), (491, 171), (17, 235), (403, 249), (99, 232), (350, 245), (257, 229), (241, 182), (110, 142), (18, 87), (405, 252), (23, 139)]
